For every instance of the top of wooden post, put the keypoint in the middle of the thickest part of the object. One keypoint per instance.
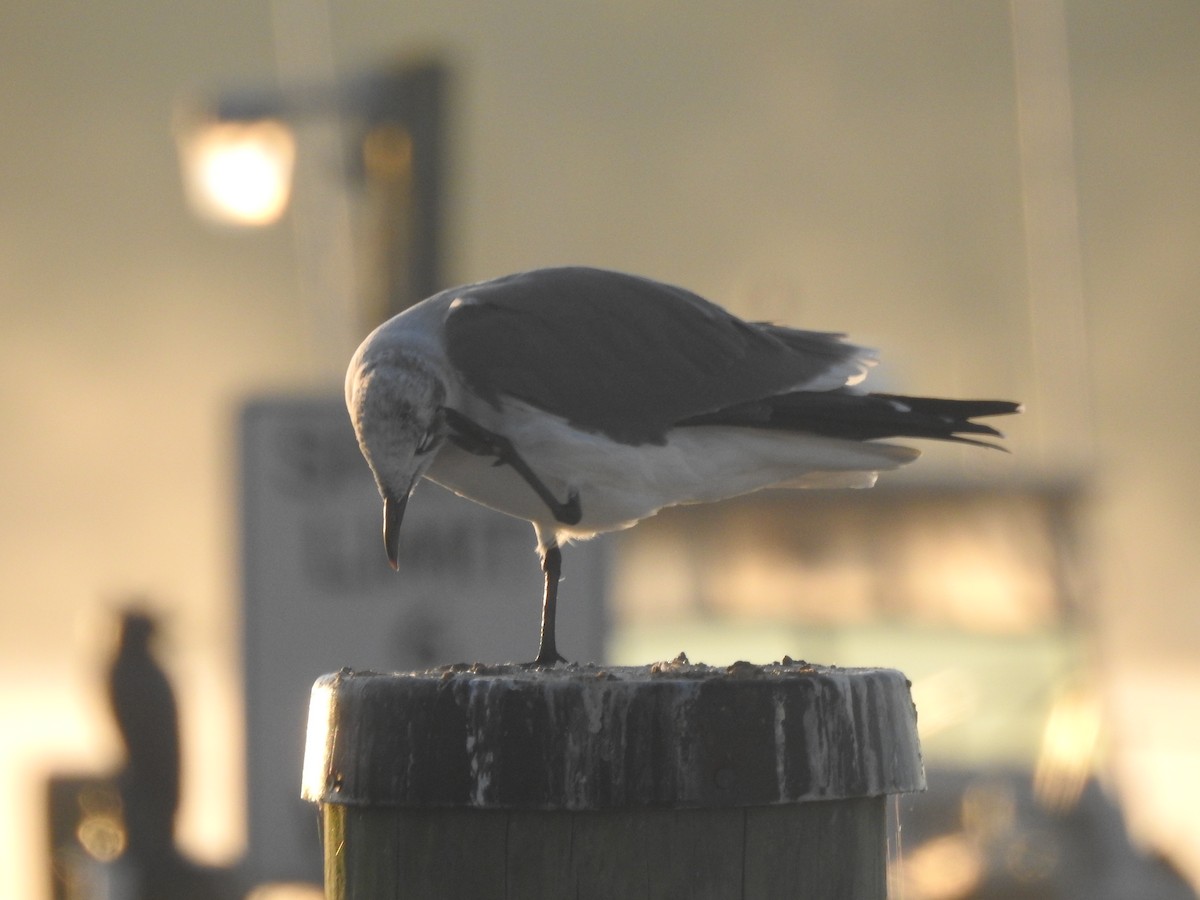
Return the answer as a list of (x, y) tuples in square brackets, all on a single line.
[(595, 737)]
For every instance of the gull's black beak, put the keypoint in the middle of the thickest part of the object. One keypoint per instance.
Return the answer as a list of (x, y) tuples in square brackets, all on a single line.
[(393, 515)]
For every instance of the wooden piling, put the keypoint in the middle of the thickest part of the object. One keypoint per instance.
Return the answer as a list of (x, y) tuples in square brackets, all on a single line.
[(673, 780)]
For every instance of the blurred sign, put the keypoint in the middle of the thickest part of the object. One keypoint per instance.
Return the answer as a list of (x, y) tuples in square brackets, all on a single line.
[(319, 595)]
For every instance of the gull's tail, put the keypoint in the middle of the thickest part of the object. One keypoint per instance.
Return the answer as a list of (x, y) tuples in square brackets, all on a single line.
[(863, 417)]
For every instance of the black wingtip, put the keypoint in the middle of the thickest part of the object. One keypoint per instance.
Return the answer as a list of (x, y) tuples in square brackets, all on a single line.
[(950, 420), (850, 415)]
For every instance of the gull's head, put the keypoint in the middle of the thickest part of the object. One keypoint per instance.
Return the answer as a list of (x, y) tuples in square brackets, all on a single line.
[(395, 402)]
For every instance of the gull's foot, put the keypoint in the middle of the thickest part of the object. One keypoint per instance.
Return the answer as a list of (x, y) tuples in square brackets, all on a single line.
[(571, 512), (545, 660)]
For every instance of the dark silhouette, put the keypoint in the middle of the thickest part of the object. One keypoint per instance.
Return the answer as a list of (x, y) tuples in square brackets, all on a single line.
[(147, 716)]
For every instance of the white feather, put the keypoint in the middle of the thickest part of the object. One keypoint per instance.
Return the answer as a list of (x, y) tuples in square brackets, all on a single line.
[(618, 484)]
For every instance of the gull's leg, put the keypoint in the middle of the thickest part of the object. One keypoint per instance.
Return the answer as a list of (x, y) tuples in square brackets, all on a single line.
[(552, 565), (474, 438)]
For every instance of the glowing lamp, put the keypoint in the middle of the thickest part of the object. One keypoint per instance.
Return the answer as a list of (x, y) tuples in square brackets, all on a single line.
[(238, 172)]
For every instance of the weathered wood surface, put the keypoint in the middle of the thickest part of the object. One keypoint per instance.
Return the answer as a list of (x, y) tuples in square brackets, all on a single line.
[(673, 734), (591, 782)]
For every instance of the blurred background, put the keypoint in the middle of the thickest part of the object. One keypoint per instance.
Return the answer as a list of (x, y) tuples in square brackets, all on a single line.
[(1003, 196)]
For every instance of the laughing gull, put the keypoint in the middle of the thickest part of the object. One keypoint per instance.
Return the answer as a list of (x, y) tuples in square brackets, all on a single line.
[(584, 400)]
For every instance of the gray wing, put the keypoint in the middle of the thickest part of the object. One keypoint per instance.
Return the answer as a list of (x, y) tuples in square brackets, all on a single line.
[(626, 356)]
